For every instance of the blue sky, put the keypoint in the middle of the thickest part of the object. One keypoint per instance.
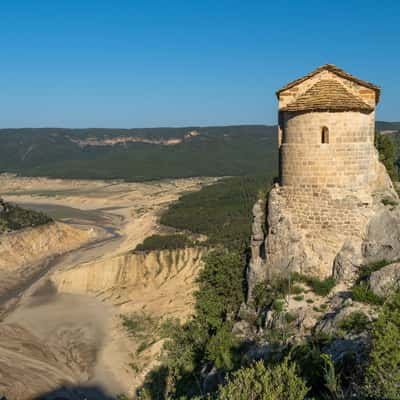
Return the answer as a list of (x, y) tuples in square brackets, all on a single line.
[(148, 63)]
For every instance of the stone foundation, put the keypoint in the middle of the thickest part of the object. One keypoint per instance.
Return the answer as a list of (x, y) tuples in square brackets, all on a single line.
[(310, 229), (307, 228)]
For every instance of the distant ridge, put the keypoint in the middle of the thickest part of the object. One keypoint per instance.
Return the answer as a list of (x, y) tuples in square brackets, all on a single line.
[(139, 154), (144, 153), (387, 126)]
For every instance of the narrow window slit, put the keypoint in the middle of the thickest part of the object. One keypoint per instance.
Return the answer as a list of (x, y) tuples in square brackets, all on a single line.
[(325, 135)]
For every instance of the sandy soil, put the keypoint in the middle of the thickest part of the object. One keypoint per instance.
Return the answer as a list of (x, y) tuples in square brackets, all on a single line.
[(86, 326)]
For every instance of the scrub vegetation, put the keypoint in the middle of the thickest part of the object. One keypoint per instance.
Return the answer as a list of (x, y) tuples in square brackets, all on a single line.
[(13, 217)]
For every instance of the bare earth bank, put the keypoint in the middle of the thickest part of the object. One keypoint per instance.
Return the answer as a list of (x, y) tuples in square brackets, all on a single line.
[(72, 312)]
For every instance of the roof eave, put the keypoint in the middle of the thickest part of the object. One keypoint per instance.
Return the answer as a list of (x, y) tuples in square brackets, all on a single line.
[(328, 109)]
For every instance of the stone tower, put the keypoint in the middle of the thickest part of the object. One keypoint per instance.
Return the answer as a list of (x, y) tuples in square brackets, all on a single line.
[(326, 130), (331, 181)]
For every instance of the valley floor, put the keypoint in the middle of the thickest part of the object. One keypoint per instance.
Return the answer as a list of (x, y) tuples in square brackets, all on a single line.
[(72, 304)]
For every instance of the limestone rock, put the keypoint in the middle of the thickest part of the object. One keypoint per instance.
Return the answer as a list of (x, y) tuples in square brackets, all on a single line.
[(347, 262), (256, 271), (387, 278), (383, 184), (383, 236), (258, 219), (241, 329), (285, 245), (330, 323)]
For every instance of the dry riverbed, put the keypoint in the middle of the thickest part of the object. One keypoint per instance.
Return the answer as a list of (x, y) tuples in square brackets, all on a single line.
[(74, 306)]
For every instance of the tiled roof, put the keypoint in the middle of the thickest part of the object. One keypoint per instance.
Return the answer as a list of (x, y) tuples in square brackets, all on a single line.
[(338, 71), (328, 95)]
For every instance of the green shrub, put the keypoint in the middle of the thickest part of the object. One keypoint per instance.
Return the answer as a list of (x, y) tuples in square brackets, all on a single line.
[(13, 217), (383, 372), (318, 286), (387, 201), (362, 293), (297, 289), (387, 154), (290, 317), (320, 308), (279, 382), (261, 296), (321, 287), (310, 301), (298, 297), (220, 348), (366, 270), (310, 366), (139, 324), (280, 286), (164, 242), (220, 286), (278, 305), (318, 369), (356, 322)]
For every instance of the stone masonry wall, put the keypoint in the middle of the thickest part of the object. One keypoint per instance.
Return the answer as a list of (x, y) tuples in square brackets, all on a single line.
[(349, 160), (308, 226), (319, 211)]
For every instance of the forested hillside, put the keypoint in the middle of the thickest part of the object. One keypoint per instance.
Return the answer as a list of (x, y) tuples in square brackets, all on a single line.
[(139, 154), (387, 126), (143, 154)]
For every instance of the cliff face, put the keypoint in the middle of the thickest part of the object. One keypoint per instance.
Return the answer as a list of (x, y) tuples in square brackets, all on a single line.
[(325, 231), (32, 245), (24, 253), (161, 281)]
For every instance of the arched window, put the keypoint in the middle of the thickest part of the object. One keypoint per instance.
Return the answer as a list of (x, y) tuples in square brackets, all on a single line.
[(325, 135)]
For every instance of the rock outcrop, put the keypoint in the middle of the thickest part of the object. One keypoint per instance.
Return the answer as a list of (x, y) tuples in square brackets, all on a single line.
[(352, 230), (382, 240), (32, 245), (256, 271), (385, 280), (347, 262), (26, 254)]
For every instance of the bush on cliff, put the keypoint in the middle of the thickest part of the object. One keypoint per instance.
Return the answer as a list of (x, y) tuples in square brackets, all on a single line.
[(279, 382), (361, 291), (207, 337), (382, 378), (13, 217), (387, 154), (164, 242), (321, 287), (220, 287)]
